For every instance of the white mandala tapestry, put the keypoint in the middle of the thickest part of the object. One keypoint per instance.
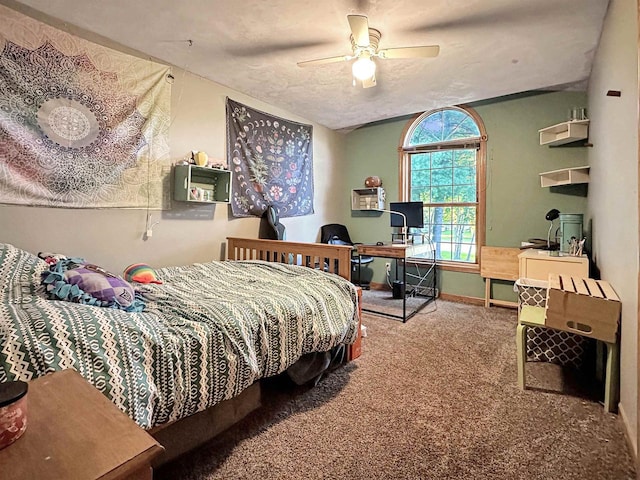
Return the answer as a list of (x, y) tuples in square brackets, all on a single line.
[(81, 125)]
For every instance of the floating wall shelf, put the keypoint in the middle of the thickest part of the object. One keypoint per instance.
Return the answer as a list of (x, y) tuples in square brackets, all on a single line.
[(565, 132), (367, 198), (565, 176)]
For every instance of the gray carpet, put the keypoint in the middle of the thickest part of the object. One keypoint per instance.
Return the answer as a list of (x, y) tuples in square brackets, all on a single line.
[(435, 398)]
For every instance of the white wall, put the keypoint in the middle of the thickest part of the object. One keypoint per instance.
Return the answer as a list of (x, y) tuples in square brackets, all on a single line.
[(613, 191), (113, 238)]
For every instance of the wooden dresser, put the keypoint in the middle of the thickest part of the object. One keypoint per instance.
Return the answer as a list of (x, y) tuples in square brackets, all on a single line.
[(75, 432), (538, 264)]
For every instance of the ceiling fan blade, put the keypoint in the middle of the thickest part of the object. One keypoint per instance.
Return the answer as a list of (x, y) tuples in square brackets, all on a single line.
[(274, 47), (410, 52), (322, 61), (369, 82), (517, 13), (359, 29)]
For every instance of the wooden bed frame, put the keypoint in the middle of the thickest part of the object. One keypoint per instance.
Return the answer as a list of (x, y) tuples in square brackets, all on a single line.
[(335, 258), (187, 433)]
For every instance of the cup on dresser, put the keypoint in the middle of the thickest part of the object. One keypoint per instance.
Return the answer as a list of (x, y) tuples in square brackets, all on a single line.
[(13, 411)]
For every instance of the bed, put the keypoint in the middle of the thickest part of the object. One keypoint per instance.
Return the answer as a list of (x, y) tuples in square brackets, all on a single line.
[(209, 332)]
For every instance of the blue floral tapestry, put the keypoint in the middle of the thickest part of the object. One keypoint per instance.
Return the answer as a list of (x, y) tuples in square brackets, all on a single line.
[(272, 163)]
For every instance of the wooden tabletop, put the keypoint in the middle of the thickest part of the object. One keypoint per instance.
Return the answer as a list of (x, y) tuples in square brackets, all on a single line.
[(393, 250), (499, 262), (75, 432)]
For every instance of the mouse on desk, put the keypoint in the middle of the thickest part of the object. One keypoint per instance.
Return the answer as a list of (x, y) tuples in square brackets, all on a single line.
[(379, 243)]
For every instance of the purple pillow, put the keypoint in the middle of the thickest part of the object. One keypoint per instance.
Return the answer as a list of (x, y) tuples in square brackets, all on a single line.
[(101, 284)]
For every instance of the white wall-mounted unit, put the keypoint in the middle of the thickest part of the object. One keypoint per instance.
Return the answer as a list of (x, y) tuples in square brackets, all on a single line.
[(565, 132), (564, 176), (367, 198)]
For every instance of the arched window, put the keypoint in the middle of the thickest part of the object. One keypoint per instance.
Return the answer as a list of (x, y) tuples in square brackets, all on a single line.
[(443, 165)]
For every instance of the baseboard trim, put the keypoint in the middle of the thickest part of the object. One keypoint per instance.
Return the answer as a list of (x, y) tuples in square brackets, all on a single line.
[(379, 286), (631, 440), (461, 299)]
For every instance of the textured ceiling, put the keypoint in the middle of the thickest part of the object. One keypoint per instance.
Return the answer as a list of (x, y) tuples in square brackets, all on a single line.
[(488, 48)]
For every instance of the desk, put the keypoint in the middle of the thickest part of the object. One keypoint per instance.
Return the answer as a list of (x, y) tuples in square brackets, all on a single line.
[(400, 252)]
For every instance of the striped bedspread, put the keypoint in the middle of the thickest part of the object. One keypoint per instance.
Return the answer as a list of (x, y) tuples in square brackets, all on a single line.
[(207, 333)]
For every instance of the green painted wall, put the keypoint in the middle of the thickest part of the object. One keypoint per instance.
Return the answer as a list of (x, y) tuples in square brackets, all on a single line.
[(516, 204)]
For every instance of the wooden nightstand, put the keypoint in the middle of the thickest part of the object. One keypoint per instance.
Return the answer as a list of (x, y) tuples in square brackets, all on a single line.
[(75, 432)]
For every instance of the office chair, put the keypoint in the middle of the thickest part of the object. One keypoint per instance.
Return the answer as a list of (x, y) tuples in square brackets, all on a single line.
[(270, 226), (338, 234)]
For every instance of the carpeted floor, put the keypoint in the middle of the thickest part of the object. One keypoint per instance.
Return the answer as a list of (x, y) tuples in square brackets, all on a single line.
[(435, 398)]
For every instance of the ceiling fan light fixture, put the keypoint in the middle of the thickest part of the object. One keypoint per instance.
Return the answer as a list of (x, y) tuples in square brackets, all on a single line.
[(363, 68), (364, 44)]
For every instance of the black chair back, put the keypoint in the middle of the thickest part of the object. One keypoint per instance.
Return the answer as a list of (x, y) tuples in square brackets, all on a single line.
[(335, 231), (270, 226)]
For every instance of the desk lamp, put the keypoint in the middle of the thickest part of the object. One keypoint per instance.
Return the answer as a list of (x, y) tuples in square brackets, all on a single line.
[(404, 222), (551, 216)]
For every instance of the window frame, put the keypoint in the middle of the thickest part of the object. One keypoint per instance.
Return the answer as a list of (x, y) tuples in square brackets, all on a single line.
[(404, 176)]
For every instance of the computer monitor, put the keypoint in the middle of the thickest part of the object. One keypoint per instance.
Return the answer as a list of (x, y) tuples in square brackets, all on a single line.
[(411, 210)]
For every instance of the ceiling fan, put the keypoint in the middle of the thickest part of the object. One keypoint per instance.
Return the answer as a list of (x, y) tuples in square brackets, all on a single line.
[(364, 43)]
